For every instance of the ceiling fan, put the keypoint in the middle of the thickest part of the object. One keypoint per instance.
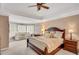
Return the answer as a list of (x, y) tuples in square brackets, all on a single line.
[(40, 5)]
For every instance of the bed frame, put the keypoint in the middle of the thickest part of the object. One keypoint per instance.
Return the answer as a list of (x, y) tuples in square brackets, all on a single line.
[(45, 52)]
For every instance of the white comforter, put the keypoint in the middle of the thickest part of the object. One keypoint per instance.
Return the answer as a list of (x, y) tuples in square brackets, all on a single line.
[(42, 42)]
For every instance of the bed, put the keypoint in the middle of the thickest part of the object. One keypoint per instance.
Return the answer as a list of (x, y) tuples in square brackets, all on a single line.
[(44, 45)]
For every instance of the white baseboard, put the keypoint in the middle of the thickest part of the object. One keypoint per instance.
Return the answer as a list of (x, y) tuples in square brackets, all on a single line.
[(3, 49)]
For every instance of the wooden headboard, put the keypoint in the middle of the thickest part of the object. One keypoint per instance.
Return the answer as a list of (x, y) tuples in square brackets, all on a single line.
[(57, 29)]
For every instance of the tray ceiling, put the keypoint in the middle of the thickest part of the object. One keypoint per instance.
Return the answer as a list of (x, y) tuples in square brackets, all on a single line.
[(56, 9)]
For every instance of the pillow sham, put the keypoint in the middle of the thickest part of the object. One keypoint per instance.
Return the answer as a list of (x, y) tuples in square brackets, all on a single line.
[(58, 34)]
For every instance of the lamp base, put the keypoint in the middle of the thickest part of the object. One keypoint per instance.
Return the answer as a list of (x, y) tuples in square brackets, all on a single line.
[(70, 36)]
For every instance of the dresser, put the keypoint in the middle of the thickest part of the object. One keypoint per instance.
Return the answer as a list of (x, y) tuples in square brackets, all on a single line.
[(71, 45)]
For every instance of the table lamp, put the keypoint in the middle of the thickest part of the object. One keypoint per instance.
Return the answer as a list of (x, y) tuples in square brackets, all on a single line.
[(71, 31)]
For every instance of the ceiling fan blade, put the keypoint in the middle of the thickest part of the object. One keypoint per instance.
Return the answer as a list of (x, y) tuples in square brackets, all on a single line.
[(32, 6), (45, 7), (38, 7), (43, 3), (40, 3)]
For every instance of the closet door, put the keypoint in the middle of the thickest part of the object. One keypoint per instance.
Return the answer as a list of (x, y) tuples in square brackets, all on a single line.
[(4, 32)]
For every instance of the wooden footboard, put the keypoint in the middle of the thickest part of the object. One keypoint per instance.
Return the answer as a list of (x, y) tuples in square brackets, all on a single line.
[(36, 49), (41, 52)]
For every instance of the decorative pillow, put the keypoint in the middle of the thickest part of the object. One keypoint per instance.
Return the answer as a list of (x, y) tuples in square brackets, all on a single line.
[(47, 34), (58, 34)]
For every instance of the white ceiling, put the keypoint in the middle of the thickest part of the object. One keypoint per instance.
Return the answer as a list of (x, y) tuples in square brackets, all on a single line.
[(56, 9)]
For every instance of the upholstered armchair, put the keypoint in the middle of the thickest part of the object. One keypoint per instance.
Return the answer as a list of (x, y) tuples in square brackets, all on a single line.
[(21, 36)]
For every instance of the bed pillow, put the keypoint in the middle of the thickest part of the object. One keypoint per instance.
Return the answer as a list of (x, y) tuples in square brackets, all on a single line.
[(52, 34), (58, 34)]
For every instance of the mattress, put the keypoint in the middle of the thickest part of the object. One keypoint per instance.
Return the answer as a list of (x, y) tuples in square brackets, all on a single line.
[(41, 42)]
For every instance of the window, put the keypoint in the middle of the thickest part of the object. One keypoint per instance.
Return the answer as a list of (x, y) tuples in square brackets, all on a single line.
[(30, 29), (22, 28), (13, 29)]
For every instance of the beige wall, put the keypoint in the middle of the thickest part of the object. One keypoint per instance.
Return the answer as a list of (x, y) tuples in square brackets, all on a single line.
[(71, 22), (4, 32)]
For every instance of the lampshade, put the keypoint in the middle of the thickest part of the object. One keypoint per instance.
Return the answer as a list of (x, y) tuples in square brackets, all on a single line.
[(71, 31)]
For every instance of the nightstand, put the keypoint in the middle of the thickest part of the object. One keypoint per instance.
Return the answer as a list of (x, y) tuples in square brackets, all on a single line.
[(71, 45)]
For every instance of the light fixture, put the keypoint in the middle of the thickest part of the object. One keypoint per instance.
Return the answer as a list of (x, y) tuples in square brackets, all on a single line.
[(43, 29)]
